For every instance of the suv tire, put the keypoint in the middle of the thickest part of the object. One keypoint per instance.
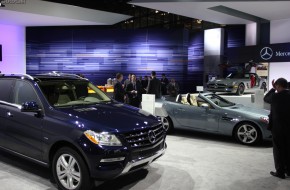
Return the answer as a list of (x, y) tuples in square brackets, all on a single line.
[(70, 171)]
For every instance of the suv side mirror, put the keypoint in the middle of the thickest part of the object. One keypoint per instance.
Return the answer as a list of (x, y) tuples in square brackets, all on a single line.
[(30, 107)]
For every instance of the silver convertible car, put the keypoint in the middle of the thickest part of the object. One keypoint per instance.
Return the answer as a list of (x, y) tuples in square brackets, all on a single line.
[(208, 112)]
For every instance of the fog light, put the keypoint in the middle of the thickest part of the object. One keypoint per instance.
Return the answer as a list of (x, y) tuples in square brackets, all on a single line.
[(113, 159)]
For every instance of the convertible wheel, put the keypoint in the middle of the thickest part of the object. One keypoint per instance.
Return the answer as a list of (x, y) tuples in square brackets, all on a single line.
[(248, 134), (241, 89), (70, 171), (167, 123)]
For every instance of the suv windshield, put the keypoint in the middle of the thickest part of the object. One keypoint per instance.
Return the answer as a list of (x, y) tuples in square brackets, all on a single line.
[(219, 101), (71, 92)]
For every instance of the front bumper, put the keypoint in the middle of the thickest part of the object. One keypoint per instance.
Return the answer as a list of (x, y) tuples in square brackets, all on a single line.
[(231, 89), (120, 162), (267, 135), (143, 161)]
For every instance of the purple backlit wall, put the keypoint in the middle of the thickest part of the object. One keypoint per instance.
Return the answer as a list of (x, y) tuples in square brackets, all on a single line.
[(12, 39)]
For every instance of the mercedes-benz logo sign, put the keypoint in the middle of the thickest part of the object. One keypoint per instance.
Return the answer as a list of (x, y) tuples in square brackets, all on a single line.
[(152, 136), (266, 53)]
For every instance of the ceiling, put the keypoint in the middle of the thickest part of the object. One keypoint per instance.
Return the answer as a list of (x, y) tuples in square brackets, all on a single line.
[(111, 12), (236, 12), (44, 13)]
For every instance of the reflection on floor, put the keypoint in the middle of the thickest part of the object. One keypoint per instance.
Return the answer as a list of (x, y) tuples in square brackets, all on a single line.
[(193, 161)]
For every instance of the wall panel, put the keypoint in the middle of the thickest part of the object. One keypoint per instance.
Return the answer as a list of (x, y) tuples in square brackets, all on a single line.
[(101, 53)]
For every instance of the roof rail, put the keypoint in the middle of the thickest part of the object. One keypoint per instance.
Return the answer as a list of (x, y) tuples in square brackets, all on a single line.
[(57, 73), (24, 75), (18, 74)]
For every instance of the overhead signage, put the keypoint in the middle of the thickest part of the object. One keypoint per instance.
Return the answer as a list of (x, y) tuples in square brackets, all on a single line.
[(267, 53)]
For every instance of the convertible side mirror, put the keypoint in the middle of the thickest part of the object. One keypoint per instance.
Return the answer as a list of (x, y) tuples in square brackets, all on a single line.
[(206, 106)]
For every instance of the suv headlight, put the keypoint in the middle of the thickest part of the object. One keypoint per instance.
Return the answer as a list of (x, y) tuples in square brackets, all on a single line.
[(103, 138)]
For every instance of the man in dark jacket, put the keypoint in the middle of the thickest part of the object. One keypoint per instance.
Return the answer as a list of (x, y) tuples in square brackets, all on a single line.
[(173, 88), (134, 92), (119, 92), (154, 86), (279, 124), (164, 82)]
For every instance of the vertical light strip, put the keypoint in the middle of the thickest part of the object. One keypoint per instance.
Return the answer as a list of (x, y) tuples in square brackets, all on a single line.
[(213, 42), (12, 39)]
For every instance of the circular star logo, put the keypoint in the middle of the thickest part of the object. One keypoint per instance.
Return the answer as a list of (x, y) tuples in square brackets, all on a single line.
[(152, 136), (266, 53)]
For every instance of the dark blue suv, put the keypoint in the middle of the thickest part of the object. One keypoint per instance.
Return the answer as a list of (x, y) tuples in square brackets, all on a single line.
[(66, 123)]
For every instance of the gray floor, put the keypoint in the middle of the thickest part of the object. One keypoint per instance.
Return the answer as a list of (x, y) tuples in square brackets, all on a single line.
[(193, 161)]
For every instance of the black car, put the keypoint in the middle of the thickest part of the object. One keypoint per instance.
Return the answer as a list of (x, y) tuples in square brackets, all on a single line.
[(66, 123)]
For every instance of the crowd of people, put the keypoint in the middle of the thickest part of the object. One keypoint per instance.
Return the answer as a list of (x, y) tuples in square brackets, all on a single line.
[(131, 90)]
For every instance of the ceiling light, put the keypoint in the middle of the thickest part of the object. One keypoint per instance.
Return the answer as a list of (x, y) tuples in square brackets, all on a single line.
[(198, 21)]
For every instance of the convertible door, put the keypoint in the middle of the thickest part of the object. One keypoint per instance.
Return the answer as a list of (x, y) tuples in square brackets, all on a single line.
[(197, 117)]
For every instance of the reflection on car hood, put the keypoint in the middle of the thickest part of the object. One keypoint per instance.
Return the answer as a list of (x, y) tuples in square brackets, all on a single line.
[(249, 110), (222, 81), (110, 117)]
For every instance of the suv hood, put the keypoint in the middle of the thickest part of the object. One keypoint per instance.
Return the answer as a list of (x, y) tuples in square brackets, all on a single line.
[(109, 117)]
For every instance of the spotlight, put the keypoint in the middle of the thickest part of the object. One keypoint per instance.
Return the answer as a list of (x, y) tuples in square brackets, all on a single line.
[(198, 21)]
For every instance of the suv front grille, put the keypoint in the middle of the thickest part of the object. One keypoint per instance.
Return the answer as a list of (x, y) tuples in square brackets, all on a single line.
[(145, 138)]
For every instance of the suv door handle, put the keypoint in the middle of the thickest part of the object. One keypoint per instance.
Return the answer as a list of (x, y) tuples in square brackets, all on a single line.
[(9, 114)]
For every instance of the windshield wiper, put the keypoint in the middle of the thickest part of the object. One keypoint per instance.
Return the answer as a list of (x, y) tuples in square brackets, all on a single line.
[(62, 106)]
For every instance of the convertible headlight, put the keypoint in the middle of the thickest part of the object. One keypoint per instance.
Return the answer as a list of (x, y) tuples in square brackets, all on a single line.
[(103, 138), (265, 119)]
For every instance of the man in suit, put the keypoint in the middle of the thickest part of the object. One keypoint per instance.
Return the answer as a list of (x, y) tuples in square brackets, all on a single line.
[(119, 92), (279, 124), (154, 86), (145, 83), (127, 81), (164, 83), (173, 88), (134, 92)]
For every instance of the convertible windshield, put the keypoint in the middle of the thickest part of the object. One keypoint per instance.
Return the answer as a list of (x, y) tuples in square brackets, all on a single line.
[(72, 92), (219, 101), (239, 75)]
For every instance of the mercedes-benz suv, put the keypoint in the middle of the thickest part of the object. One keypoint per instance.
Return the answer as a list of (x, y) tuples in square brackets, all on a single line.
[(66, 123)]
